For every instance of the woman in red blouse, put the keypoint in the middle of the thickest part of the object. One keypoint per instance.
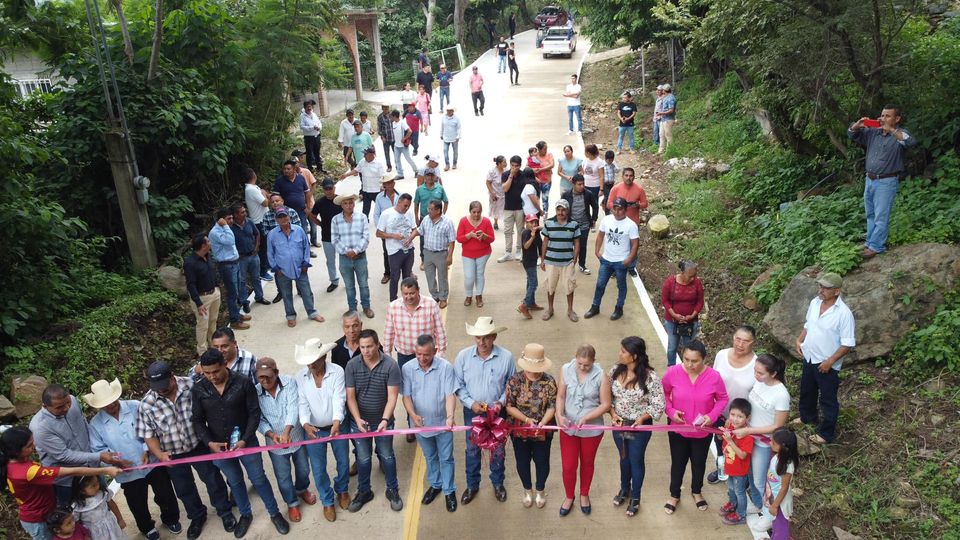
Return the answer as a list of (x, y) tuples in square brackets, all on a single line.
[(475, 234), (682, 298), (32, 483)]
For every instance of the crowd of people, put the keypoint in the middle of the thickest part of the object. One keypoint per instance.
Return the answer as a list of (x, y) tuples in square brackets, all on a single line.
[(231, 399)]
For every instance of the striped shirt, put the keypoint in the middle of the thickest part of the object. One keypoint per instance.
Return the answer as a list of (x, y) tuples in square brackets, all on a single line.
[(370, 386), (350, 236), (403, 327), (437, 236), (278, 412), (559, 240), (170, 422), (270, 220)]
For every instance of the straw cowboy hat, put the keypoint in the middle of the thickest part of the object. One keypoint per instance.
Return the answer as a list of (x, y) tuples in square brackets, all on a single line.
[(314, 348), (103, 393), (387, 178), (484, 327), (533, 359), (338, 200)]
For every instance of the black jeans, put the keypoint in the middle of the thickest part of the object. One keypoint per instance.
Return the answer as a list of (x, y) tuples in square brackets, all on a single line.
[(368, 201), (514, 74), (527, 450), (312, 147), (683, 450), (584, 235), (478, 98), (386, 258), (262, 252), (135, 493), (186, 488), (387, 150), (814, 387), (401, 266)]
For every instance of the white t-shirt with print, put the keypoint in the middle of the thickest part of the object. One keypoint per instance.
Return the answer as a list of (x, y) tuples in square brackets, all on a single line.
[(394, 222), (528, 206), (773, 487), (573, 89), (617, 237), (591, 172), (765, 402)]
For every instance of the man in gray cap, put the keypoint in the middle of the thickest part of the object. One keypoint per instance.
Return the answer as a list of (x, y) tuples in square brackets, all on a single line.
[(827, 336)]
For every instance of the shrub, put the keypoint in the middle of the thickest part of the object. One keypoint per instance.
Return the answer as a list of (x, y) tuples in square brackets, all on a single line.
[(935, 346)]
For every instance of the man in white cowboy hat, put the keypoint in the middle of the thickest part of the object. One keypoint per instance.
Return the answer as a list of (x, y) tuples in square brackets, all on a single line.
[(114, 429), (450, 134), (386, 199), (322, 398), (482, 372), (351, 236), (280, 423), (373, 386), (429, 396), (370, 171)]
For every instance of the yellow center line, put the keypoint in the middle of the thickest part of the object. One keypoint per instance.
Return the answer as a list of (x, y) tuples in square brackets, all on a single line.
[(411, 517)]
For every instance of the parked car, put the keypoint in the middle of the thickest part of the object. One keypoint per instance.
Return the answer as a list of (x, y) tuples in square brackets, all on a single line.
[(552, 16), (559, 40)]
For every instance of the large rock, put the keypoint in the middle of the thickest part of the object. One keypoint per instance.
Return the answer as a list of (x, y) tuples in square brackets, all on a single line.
[(888, 295), (26, 392), (172, 279)]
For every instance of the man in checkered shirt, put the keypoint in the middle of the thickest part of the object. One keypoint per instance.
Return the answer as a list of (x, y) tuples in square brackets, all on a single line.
[(164, 422), (239, 361), (350, 233), (439, 239), (409, 316)]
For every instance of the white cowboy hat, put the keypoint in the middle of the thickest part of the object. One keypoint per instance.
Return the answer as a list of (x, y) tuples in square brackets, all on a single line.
[(103, 393), (314, 348), (338, 200), (451, 108), (533, 359), (387, 178), (484, 327)]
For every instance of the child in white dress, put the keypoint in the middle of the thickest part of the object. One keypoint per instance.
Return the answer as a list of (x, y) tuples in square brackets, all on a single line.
[(93, 507)]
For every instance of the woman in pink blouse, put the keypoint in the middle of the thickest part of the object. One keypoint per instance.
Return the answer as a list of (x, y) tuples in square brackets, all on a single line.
[(682, 298), (475, 234), (423, 105), (694, 394)]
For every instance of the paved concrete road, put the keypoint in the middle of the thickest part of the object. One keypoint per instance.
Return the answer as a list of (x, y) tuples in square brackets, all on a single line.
[(516, 118)]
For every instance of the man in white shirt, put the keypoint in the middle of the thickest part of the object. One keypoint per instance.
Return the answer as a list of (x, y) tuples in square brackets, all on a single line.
[(345, 136), (396, 226), (827, 336), (370, 171), (310, 126), (617, 241), (322, 407), (401, 143), (573, 104), (256, 200)]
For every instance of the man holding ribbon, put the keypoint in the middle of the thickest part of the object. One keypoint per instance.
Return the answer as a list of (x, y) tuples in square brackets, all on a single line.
[(482, 373)]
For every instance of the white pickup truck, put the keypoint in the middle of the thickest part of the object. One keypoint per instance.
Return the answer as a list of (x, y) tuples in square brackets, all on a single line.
[(559, 40)]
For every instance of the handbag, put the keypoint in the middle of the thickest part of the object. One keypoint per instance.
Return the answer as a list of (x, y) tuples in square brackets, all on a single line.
[(684, 330)]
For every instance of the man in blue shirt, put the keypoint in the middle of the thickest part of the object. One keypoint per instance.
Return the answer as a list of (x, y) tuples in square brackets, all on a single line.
[(667, 116), (113, 430), (429, 396), (482, 373), (288, 250), (294, 189), (223, 245), (247, 238), (444, 77)]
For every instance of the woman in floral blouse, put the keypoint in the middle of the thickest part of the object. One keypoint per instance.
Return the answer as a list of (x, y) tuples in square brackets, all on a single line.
[(637, 401), (531, 401)]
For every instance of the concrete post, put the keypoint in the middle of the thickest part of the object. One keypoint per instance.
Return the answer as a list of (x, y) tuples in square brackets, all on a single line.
[(377, 55), (136, 221)]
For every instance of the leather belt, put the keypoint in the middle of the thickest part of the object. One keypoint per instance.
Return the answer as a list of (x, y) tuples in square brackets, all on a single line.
[(208, 293), (227, 263), (873, 176)]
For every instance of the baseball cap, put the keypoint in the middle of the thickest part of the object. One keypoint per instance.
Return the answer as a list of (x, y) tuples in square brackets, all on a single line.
[(282, 211), (562, 203), (266, 365), (532, 217), (328, 182), (621, 202), (433, 158), (369, 150), (830, 280), (159, 374), (297, 153)]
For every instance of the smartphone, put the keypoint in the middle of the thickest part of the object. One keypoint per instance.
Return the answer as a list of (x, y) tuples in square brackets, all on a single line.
[(871, 123)]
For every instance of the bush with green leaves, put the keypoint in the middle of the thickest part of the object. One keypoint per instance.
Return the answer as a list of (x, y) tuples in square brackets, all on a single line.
[(933, 347)]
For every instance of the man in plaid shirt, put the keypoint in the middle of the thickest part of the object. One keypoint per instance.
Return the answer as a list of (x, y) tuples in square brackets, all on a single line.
[(350, 233), (164, 422), (385, 130), (240, 361), (270, 218), (439, 239), (408, 317)]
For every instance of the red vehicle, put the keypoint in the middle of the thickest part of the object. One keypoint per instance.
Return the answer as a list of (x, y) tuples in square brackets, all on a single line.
[(552, 16)]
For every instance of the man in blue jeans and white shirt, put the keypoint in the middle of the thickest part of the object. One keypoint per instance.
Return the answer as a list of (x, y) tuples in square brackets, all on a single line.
[(885, 146), (618, 239)]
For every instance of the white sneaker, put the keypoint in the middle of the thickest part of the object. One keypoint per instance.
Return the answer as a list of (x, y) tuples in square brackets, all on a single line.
[(506, 257), (518, 257), (569, 133), (585, 270)]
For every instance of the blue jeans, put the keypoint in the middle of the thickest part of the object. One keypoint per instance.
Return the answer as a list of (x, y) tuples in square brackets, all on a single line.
[(444, 93), (621, 130), (878, 197), (403, 152), (656, 132), (186, 488), (675, 342), (632, 459), (456, 152), (289, 485), (819, 389), (759, 463), (578, 110), (253, 464), (250, 273), (438, 453), (285, 286), (365, 460), (318, 462), (501, 63), (545, 197), (37, 531), (737, 493), (608, 269), (230, 276), (330, 255), (474, 459), (354, 272), (530, 299), (473, 278)]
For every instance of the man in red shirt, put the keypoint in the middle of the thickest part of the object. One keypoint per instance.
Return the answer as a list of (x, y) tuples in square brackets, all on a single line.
[(632, 192)]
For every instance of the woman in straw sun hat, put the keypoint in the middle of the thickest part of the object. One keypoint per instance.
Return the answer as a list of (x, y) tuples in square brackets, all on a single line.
[(532, 401)]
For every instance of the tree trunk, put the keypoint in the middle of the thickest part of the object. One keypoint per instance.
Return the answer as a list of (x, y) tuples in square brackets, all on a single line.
[(157, 39), (459, 10), (124, 29), (428, 10)]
